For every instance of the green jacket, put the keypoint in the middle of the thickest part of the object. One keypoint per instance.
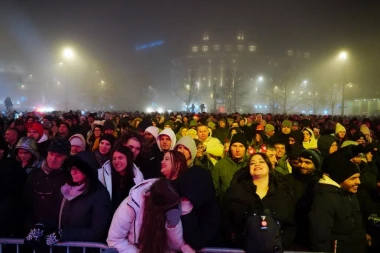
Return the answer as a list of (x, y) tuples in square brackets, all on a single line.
[(223, 173)]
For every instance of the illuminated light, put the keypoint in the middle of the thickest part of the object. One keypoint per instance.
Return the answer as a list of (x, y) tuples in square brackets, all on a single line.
[(260, 106), (301, 91), (292, 92), (22, 86), (82, 112), (264, 223), (150, 45), (260, 79), (149, 110), (31, 75), (68, 53), (305, 81), (255, 106), (160, 110), (343, 55)]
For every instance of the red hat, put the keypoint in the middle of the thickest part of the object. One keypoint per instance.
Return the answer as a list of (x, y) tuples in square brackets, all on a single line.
[(196, 115), (37, 127)]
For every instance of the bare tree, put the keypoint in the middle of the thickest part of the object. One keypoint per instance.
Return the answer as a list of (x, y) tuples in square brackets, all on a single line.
[(334, 96), (235, 91), (189, 91), (312, 96)]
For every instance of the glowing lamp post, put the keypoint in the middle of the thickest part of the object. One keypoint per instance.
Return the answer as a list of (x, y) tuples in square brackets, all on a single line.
[(68, 54)]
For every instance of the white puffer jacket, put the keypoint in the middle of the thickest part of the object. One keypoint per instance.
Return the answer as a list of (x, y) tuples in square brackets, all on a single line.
[(125, 228)]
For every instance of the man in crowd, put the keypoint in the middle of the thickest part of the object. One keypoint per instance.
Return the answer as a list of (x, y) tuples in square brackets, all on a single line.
[(11, 138), (36, 131), (212, 146), (221, 133)]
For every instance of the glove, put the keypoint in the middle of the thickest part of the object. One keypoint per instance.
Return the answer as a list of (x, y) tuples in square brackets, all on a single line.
[(186, 206), (173, 217), (35, 235), (53, 238)]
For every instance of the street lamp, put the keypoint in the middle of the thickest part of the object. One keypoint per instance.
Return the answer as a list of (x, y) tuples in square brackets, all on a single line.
[(343, 56), (68, 54), (260, 79)]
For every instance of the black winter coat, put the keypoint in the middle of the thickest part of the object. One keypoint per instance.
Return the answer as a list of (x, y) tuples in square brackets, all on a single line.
[(242, 194), (201, 225), (335, 215), (150, 166), (12, 180), (86, 218), (42, 198)]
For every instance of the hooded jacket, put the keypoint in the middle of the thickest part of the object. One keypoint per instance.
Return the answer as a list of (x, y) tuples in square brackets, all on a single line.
[(126, 223), (189, 143), (312, 143), (169, 132), (335, 216), (223, 173)]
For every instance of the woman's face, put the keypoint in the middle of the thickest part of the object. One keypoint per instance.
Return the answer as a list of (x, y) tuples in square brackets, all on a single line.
[(167, 165), (341, 134), (97, 132), (104, 147), (306, 136), (333, 147), (369, 156), (258, 166), (258, 137), (200, 150), (24, 155), (77, 175), (119, 162), (184, 131)]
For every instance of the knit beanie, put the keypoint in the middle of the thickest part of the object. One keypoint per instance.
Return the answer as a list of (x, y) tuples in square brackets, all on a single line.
[(241, 138), (341, 169), (169, 122), (78, 140), (108, 137), (60, 145), (287, 123), (39, 128), (339, 128), (189, 144), (108, 125), (325, 142), (152, 130), (144, 124), (269, 127), (364, 129), (193, 123), (296, 151), (314, 155)]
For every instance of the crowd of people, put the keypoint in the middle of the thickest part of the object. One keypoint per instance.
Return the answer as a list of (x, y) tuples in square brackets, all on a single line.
[(183, 181)]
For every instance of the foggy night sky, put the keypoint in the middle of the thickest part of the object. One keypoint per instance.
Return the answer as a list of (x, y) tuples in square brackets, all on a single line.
[(106, 31)]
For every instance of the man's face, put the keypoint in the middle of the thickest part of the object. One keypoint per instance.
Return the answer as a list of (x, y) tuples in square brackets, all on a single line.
[(149, 137), (357, 159), (295, 128), (75, 149), (203, 133), (242, 122), (90, 120), (182, 149), (10, 136), (351, 184), (165, 142), (280, 150), (306, 166), (109, 131), (361, 140), (63, 129), (135, 146), (33, 134), (237, 150), (271, 153), (55, 160), (270, 133), (222, 124), (341, 134), (69, 121), (285, 130)]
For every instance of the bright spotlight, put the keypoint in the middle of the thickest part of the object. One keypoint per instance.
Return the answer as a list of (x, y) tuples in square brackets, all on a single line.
[(68, 53), (160, 110), (343, 56), (149, 110)]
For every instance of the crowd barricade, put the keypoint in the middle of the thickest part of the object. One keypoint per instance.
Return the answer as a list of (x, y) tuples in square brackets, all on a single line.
[(102, 246), (67, 245)]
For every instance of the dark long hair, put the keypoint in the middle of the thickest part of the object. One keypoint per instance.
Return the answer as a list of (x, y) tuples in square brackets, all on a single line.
[(129, 174), (163, 197), (245, 173), (179, 164)]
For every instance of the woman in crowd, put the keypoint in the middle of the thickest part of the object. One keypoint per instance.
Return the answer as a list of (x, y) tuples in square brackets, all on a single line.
[(148, 220), (27, 154), (93, 138), (257, 185), (201, 225), (103, 153), (340, 133), (86, 205), (119, 175), (309, 141)]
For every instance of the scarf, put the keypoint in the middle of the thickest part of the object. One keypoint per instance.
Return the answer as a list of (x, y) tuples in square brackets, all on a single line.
[(45, 167), (102, 158), (70, 192)]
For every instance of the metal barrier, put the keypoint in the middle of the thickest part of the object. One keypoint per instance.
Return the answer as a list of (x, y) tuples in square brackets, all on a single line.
[(68, 245), (101, 246)]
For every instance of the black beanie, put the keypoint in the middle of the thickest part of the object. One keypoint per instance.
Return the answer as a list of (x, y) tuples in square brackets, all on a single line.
[(241, 138), (341, 169), (314, 156), (108, 125), (60, 145), (108, 137), (325, 142)]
